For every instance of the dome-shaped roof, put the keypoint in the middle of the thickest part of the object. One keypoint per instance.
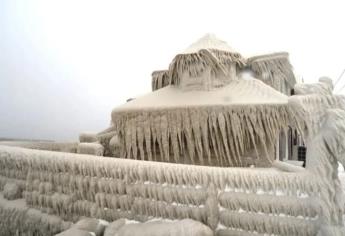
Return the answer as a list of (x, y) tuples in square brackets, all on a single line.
[(209, 41), (208, 55)]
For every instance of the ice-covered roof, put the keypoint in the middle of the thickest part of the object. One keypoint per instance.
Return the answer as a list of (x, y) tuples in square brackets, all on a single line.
[(206, 54), (209, 41), (274, 69), (238, 92), (269, 56)]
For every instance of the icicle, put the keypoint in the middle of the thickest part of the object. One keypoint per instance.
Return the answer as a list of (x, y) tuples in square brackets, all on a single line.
[(195, 117), (188, 136), (222, 127), (212, 135), (140, 136), (128, 139), (218, 137), (179, 129), (134, 142), (251, 133), (165, 138), (205, 135), (147, 135), (174, 136), (158, 132)]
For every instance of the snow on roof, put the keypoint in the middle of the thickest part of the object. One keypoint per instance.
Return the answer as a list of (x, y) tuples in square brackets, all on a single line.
[(238, 92), (269, 56), (209, 41)]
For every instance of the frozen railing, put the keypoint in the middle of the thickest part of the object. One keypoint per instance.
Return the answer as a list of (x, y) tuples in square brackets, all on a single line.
[(226, 199)]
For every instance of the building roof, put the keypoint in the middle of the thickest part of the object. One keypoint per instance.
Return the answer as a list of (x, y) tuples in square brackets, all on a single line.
[(206, 54), (275, 70), (209, 41), (238, 92)]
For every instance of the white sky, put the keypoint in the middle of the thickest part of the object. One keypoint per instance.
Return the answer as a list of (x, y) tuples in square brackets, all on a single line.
[(65, 64)]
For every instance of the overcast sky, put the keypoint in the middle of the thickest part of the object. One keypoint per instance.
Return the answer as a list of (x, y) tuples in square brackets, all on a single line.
[(64, 65)]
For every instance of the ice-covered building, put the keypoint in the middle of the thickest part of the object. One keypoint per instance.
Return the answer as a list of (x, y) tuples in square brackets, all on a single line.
[(187, 150), (206, 110)]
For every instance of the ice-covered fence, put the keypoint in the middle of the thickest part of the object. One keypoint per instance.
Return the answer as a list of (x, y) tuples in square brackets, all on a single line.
[(17, 219), (71, 186), (13, 167), (270, 214), (253, 200)]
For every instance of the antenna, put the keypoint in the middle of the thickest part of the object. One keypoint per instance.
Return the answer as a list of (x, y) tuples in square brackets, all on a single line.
[(338, 80), (341, 75)]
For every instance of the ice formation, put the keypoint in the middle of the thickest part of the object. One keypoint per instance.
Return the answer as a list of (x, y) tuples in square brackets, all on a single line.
[(72, 185), (12, 191), (95, 226), (16, 218), (160, 79), (324, 87), (88, 138), (275, 70), (208, 114), (90, 148), (200, 136), (41, 145), (323, 127), (108, 139), (114, 227), (75, 232), (184, 227), (202, 112)]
